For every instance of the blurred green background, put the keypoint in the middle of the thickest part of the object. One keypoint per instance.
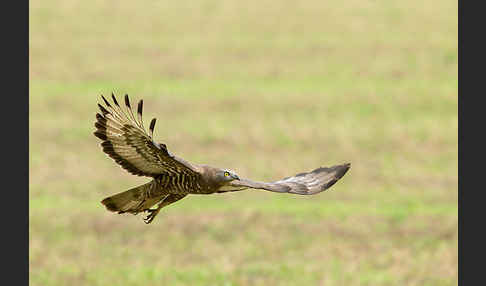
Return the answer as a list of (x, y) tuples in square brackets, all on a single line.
[(268, 89)]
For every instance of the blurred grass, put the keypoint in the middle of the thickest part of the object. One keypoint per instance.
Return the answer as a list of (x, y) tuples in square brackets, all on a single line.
[(269, 89)]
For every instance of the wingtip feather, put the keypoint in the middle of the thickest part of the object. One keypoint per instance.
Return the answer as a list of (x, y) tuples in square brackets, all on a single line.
[(127, 101), (103, 110), (100, 135), (106, 101), (140, 107), (342, 169), (152, 125), (114, 99)]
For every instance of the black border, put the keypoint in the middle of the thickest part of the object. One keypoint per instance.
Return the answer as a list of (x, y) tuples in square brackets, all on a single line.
[(15, 102), (471, 209)]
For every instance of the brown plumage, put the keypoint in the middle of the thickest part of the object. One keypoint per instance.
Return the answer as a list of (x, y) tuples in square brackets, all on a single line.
[(125, 139)]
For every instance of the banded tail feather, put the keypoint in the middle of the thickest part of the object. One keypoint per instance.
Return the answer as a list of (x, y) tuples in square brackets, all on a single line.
[(132, 201)]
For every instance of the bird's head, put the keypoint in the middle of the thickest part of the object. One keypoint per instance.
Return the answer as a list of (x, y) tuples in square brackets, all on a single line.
[(217, 178), (226, 175)]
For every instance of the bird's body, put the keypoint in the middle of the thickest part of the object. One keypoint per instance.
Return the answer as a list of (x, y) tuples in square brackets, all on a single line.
[(126, 141)]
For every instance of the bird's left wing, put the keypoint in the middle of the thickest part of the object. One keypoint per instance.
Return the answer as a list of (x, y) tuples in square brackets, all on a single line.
[(126, 141), (309, 183)]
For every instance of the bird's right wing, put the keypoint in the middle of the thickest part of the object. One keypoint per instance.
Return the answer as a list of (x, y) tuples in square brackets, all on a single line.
[(126, 141), (309, 183)]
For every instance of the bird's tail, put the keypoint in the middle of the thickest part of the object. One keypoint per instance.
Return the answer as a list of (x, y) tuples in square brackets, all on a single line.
[(132, 201)]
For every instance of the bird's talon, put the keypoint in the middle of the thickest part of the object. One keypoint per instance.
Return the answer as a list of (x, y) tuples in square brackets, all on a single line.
[(149, 218)]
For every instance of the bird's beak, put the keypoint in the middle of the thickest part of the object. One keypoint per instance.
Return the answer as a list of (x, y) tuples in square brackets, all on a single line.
[(236, 177)]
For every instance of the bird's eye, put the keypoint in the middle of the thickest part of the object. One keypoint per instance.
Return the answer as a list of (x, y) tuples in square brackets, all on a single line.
[(226, 174)]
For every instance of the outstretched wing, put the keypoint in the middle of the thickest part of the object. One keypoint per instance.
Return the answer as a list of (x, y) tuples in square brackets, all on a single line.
[(309, 183), (126, 141)]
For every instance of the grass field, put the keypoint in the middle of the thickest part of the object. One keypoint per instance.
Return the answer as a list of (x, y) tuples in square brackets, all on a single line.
[(268, 89)]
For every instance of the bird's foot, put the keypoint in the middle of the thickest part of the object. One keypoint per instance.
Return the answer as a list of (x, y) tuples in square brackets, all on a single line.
[(152, 213)]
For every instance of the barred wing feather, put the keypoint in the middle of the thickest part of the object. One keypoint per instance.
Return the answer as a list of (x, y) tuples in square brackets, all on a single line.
[(309, 183), (127, 142)]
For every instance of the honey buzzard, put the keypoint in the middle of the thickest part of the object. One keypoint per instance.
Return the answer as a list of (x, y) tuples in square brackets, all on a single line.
[(131, 146)]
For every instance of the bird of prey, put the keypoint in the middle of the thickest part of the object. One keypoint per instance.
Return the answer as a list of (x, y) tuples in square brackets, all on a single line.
[(173, 178)]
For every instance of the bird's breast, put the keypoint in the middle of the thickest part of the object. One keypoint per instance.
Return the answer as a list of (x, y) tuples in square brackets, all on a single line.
[(184, 184)]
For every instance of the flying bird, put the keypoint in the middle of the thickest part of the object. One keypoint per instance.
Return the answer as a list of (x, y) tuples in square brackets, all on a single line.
[(125, 139)]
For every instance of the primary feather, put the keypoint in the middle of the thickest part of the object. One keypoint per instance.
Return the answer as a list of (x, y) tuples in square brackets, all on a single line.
[(126, 141)]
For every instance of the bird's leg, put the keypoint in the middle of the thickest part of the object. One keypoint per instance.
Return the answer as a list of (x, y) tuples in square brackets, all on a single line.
[(166, 201), (153, 212)]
